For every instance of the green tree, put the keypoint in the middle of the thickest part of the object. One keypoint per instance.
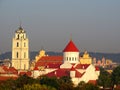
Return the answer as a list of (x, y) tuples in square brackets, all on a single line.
[(80, 85), (23, 80), (116, 76), (36, 87), (65, 83), (53, 82), (89, 86), (104, 79), (8, 85)]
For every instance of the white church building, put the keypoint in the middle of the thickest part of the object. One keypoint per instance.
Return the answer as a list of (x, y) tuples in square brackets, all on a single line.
[(70, 66)]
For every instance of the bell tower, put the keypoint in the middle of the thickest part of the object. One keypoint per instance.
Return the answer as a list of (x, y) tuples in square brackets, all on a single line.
[(20, 50)]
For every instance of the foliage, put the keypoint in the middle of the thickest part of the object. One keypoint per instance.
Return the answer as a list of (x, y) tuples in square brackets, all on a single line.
[(116, 76), (104, 79), (8, 85), (49, 82), (23, 80), (89, 86), (36, 87)]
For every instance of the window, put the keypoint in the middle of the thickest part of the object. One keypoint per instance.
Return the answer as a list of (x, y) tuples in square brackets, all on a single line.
[(18, 36), (24, 44), (75, 58), (24, 54), (67, 58), (17, 44), (17, 55), (72, 58)]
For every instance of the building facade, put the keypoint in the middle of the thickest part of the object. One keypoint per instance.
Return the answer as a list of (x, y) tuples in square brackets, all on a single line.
[(20, 50)]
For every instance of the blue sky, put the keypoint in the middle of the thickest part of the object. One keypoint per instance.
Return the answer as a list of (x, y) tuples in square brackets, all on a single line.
[(93, 24)]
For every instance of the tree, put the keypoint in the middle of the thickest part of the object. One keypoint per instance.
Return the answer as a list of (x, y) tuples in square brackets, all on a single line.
[(36, 87), (8, 85), (53, 82), (65, 83), (23, 80), (90, 86), (116, 76), (104, 79)]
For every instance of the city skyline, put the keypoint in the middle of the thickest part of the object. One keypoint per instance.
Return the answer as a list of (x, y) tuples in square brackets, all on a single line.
[(94, 25)]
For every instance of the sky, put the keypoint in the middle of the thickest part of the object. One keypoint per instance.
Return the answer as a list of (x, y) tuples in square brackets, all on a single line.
[(94, 25)]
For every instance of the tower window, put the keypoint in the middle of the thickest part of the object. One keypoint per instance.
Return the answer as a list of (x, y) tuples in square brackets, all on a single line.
[(17, 44), (67, 58), (18, 36), (24, 54), (24, 44), (17, 55)]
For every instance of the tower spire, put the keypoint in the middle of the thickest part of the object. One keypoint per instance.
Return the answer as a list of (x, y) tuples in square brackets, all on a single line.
[(71, 37), (20, 27)]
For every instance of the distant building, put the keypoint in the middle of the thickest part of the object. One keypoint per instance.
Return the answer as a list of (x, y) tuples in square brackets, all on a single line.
[(20, 50)]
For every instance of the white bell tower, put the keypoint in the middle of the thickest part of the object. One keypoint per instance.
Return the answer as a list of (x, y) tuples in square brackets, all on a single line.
[(20, 50)]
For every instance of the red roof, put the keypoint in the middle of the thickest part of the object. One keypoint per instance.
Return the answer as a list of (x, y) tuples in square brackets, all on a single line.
[(36, 68), (71, 47), (3, 78), (92, 82), (51, 58), (26, 73), (48, 60), (6, 70), (82, 66), (64, 72), (97, 68), (59, 73)]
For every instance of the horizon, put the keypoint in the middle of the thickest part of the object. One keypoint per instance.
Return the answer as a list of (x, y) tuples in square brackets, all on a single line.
[(94, 25)]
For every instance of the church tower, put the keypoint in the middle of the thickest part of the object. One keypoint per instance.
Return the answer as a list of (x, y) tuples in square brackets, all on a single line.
[(71, 53), (20, 50)]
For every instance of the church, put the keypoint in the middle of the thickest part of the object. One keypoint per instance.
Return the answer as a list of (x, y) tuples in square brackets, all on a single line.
[(20, 50), (71, 64), (67, 65)]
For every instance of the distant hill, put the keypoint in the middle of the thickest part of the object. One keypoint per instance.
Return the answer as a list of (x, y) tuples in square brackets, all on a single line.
[(113, 56)]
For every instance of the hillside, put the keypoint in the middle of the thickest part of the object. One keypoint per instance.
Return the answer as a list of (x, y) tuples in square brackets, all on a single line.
[(113, 56)]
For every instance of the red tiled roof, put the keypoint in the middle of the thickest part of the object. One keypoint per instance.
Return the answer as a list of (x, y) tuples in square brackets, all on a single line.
[(26, 73), (72, 69), (92, 82), (59, 73), (48, 60), (53, 65), (36, 68), (82, 66), (3, 78), (63, 72), (10, 70), (51, 58), (71, 47), (97, 68)]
